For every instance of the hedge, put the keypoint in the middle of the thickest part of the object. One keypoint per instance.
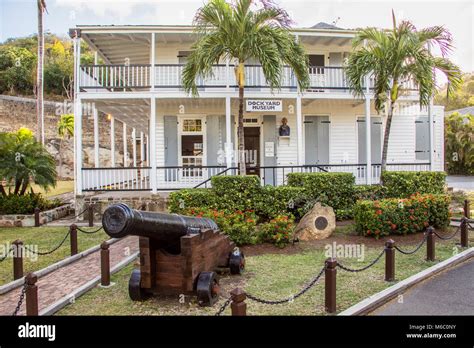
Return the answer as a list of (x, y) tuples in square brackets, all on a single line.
[(180, 201), (405, 184), (333, 189), (236, 192), (26, 204), (401, 216), (280, 200)]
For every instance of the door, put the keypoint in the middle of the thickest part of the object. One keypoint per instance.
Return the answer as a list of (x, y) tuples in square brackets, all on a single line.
[(422, 144), (316, 134), (252, 149), (375, 140), (316, 70)]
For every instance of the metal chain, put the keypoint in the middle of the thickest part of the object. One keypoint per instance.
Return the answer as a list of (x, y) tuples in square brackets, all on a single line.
[(223, 307), (89, 232), (414, 250), (354, 270), (20, 301), (450, 237), (6, 255), (51, 251), (74, 217), (291, 298)]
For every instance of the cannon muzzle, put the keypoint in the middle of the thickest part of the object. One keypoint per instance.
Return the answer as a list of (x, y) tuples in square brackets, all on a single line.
[(119, 220)]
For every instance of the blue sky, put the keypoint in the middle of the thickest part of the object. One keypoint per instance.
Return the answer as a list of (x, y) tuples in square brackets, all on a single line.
[(18, 17)]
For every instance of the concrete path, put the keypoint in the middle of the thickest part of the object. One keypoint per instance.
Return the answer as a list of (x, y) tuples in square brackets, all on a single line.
[(63, 281), (458, 182), (448, 293)]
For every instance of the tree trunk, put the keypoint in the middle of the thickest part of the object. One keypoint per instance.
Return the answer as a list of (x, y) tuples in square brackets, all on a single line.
[(60, 171), (17, 186), (39, 75), (386, 138), (240, 129), (24, 186), (2, 190)]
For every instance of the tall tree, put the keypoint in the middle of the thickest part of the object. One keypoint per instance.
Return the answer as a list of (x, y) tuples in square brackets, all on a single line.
[(65, 130), (39, 76), (240, 31), (393, 58)]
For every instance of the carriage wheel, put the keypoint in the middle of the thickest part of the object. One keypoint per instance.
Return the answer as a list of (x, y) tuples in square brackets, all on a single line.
[(135, 292), (207, 288), (236, 262)]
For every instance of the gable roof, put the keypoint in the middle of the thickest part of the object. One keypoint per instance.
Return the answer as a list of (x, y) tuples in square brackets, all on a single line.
[(323, 25)]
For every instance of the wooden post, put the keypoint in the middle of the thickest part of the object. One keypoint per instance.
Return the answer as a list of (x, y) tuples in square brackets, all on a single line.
[(37, 217), (90, 210), (330, 285), (464, 233), (104, 264), (238, 306), (467, 209), (73, 239), (31, 294), (17, 259), (389, 261), (430, 247)]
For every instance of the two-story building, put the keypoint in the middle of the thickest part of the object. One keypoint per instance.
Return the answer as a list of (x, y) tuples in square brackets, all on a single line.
[(180, 141)]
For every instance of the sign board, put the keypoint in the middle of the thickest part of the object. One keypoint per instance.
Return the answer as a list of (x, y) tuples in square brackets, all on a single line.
[(269, 149), (264, 105)]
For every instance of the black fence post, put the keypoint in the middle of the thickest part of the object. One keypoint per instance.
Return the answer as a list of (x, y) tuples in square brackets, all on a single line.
[(390, 260), (17, 259), (90, 210), (330, 285), (31, 294), (430, 247), (464, 233), (37, 217), (73, 239)]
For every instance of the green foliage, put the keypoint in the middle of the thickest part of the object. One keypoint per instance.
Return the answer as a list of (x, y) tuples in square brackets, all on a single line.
[(280, 200), (370, 192), (405, 184), (181, 201), (401, 216), (236, 192), (460, 98), (333, 189), (16, 70), (239, 225), (459, 146), (26, 204), (277, 231), (24, 160)]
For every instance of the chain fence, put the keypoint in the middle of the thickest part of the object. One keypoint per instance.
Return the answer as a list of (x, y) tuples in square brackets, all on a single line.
[(6, 254), (20, 300), (42, 253), (224, 306), (406, 252), (355, 270), (447, 237), (89, 232)]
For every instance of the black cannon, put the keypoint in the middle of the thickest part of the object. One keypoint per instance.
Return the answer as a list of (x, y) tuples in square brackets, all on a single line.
[(178, 254)]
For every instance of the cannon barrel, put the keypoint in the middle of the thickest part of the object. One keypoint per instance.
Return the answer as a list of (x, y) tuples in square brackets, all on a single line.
[(119, 220)]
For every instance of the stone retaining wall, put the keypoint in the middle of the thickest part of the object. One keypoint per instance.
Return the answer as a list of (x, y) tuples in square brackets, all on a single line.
[(28, 220)]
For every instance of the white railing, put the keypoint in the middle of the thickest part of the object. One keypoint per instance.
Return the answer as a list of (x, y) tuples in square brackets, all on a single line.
[(399, 167), (172, 178), (116, 179), (115, 76)]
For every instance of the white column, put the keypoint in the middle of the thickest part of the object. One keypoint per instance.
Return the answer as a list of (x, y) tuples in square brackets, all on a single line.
[(228, 133), (152, 145), (147, 149), (96, 137), (125, 153), (152, 62), (78, 144), (368, 134), (299, 131), (431, 133), (142, 150), (134, 147), (112, 140)]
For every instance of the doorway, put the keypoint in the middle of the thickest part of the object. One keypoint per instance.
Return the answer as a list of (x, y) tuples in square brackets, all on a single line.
[(252, 150)]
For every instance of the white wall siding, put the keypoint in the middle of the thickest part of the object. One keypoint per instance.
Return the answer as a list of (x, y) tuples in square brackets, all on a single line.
[(438, 163), (343, 139)]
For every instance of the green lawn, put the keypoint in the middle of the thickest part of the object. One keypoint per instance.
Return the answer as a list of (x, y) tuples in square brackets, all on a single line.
[(61, 187), (45, 238), (271, 276)]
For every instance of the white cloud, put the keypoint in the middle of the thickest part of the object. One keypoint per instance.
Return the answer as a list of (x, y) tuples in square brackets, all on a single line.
[(105, 8)]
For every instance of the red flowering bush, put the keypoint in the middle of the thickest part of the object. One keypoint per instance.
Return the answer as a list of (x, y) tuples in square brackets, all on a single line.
[(278, 231), (239, 225), (401, 216)]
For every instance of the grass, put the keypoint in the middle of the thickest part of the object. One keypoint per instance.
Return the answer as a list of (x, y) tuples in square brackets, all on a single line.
[(43, 238), (268, 276), (61, 187)]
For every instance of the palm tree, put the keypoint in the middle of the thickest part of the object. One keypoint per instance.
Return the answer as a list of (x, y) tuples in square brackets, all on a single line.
[(24, 160), (39, 73), (65, 130), (396, 56), (240, 31)]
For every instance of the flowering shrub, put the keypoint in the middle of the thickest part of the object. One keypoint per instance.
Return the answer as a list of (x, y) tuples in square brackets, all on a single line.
[(278, 231), (401, 216), (239, 225)]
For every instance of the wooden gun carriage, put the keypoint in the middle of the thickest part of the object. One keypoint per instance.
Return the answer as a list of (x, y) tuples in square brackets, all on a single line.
[(178, 254)]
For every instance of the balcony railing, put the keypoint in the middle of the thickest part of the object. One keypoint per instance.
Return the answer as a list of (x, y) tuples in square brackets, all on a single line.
[(178, 177), (168, 76)]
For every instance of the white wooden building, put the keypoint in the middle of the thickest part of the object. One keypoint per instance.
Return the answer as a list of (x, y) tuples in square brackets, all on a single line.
[(180, 141)]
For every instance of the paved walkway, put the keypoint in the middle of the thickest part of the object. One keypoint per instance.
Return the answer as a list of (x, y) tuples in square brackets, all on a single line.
[(64, 280), (459, 182), (448, 293)]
